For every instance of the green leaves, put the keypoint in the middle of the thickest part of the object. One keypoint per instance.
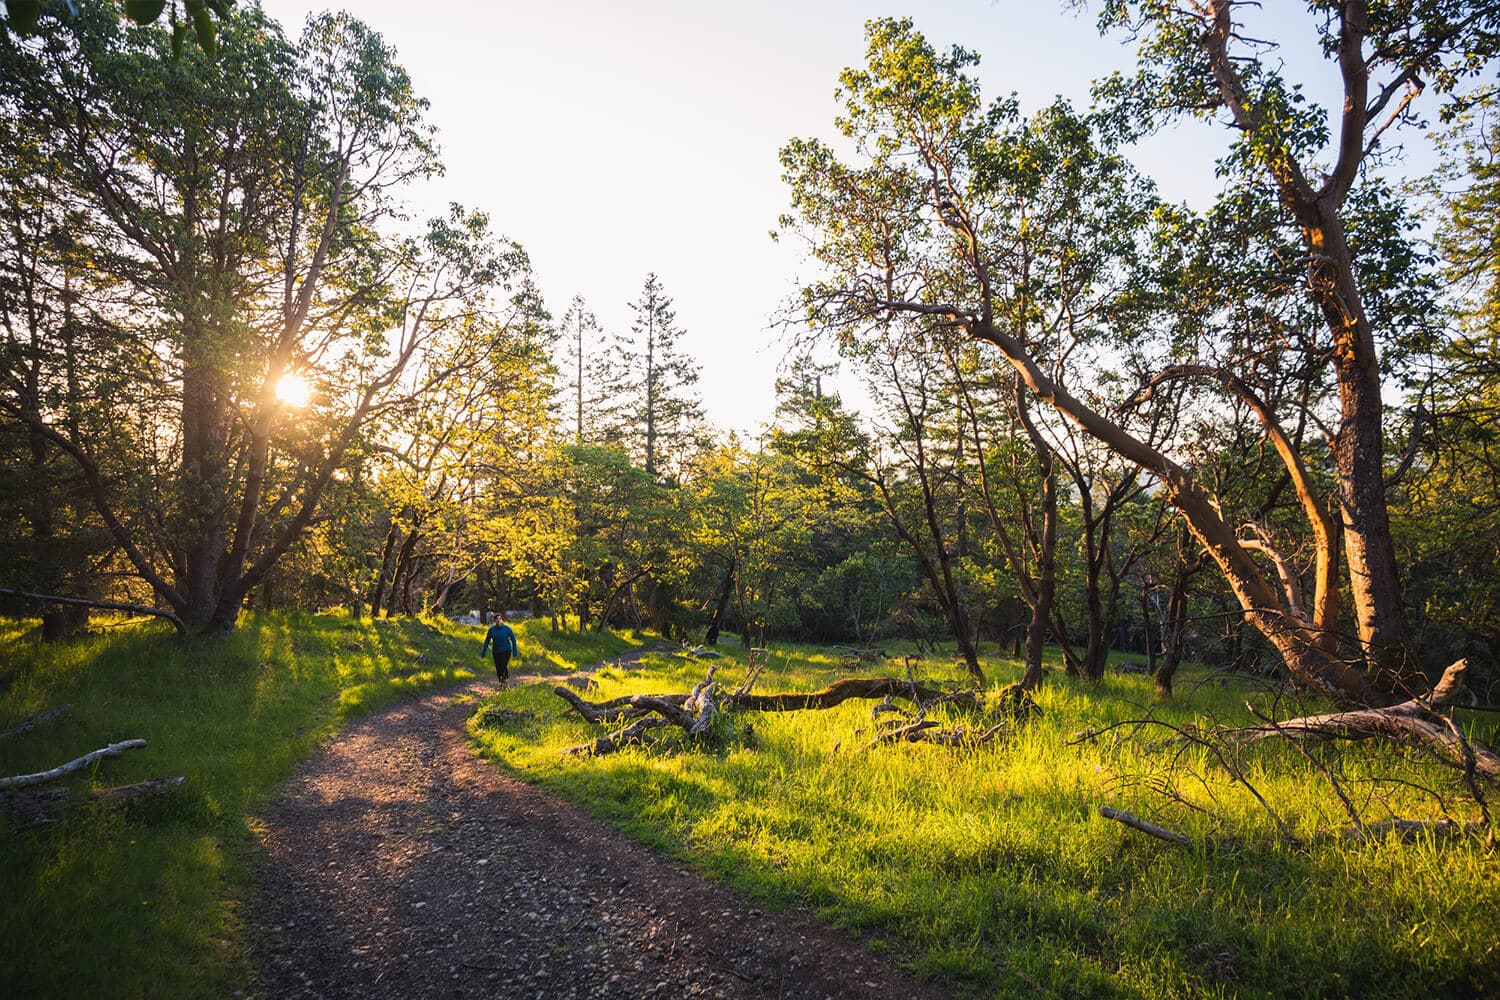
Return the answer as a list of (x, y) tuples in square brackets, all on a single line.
[(206, 18), (144, 11), (21, 16), (204, 27)]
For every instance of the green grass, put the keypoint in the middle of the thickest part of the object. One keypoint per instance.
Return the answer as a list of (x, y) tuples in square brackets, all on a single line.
[(148, 901), (991, 869)]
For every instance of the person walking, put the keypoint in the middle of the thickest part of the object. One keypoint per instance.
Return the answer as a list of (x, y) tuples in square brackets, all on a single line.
[(503, 640)]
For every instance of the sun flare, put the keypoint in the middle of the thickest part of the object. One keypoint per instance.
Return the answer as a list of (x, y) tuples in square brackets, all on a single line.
[(293, 390)]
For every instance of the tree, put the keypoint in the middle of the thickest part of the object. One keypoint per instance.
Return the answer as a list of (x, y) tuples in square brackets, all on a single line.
[(662, 416), (240, 202), (580, 329), (1204, 62), (919, 228), (921, 481), (204, 16)]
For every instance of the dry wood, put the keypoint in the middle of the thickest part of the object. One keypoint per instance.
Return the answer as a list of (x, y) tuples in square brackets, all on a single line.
[(631, 706), (695, 711), (701, 702), (911, 732), (37, 720), (1409, 829), (850, 687), (140, 789), (39, 806), (925, 731), (1411, 721), (744, 688), (614, 741), (89, 602), (63, 770), (1136, 823)]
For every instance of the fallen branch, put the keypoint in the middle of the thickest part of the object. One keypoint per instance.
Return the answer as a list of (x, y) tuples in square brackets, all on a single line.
[(39, 806), (1136, 823), (909, 732), (90, 602), (140, 789), (614, 741), (1414, 722), (701, 703), (744, 689), (850, 687), (631, 706), (1409, 829), (36, 720), (62, 770), (696, 711)]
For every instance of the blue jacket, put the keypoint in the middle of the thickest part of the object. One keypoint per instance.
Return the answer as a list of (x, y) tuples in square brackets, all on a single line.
[(504, 638)]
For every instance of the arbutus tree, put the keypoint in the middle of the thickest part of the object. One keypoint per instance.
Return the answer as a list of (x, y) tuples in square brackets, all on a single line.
[(918, 228), (1199, 58)]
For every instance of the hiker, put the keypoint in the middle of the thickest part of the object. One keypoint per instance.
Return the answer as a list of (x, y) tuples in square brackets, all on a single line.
[(504, 639)]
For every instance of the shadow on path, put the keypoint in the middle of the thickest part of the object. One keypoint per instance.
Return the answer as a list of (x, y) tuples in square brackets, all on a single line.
[(399, 864)]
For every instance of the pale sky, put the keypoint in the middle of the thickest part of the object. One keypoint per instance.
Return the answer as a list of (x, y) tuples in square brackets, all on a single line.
[(615, 137)]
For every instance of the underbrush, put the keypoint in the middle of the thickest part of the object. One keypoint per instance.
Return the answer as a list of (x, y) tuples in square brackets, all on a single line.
[(991, 869), (146, 901)]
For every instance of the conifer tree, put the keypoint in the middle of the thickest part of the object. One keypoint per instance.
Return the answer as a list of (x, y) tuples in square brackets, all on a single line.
[(662, 415)]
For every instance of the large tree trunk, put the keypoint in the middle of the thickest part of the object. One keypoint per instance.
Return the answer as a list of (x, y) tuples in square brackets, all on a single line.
[(1096, 643), (398, 579), (711, 638), (204, 518), (1263, 606), (377, 595), (1359, 450), (1374, 583), (1177, 616)]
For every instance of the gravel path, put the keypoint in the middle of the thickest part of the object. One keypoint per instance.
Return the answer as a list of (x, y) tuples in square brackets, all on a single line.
[(398, 864)]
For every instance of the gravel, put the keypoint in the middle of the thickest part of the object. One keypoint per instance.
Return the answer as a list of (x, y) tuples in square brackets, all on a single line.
[(399, 864)]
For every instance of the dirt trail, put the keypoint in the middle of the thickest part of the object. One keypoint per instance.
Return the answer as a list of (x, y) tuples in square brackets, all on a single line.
[(399, 864)]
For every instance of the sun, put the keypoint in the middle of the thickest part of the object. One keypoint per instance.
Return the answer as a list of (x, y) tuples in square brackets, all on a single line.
[(293, 390)]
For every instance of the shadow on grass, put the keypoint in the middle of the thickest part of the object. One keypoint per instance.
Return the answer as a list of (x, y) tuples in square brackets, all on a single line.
[(142, 902), (992, 871)]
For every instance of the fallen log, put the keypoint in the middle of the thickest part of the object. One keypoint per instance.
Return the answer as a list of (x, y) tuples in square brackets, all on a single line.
[(103, 605), (910, 732), (63, 770), (701, 704), (1415, 722), (40, 803), (120, 794), (36, 720), (695, 711), (632, 733), (850, 687), (1409, 829), (631, 706)]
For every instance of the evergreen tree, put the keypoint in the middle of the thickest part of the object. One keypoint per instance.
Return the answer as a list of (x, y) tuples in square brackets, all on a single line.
[(581, 340), (662, 417)]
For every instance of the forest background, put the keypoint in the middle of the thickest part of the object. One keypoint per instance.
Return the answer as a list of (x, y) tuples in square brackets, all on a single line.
[(1096, 415), (238, 375)]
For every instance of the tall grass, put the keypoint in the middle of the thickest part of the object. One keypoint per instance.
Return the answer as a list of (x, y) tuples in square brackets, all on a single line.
[(148, 901), (991, 869)]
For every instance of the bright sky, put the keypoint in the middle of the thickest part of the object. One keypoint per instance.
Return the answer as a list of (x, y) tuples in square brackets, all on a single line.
[(614, 138)]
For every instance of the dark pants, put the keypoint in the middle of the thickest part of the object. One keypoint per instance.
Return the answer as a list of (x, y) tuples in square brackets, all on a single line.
[(502, 662)]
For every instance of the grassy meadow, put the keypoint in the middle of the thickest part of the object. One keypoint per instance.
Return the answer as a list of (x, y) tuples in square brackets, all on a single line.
[(146, 901), (990, 868)]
